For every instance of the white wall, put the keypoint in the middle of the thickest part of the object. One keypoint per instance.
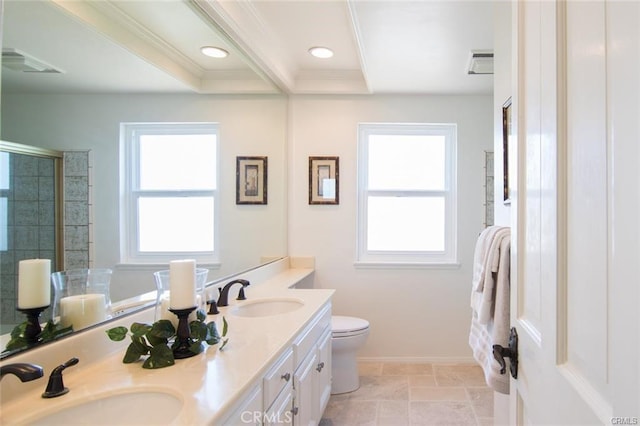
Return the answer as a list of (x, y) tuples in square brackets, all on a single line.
[(420, 314), (502, 90), (248, 126)]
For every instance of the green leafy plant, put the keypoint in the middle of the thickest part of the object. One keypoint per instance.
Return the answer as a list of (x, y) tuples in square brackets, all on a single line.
[(51, 331), (158, 340)]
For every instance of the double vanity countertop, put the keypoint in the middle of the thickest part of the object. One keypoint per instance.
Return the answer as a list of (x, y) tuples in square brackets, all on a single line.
[(208, 385)]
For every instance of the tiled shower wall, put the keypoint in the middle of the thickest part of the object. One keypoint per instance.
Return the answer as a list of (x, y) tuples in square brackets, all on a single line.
[(30, 221), (77, 209), (30, 224), (489, 198)]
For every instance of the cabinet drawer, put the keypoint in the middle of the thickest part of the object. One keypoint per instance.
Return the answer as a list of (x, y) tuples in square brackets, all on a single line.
[(310, 335), (279, 376), (280, 412), (248, 411)]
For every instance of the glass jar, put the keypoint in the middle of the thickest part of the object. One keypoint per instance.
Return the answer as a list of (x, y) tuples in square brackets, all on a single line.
[(163, 292), (82, 297)]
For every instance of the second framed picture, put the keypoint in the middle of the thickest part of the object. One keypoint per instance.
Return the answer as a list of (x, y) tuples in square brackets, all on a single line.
[(324, 180), (506, 141), (251, 180)]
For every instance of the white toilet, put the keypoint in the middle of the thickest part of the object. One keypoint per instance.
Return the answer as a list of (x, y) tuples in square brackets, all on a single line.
[(348, 334)]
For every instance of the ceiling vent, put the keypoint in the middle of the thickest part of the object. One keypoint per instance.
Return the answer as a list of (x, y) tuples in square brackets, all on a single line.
[(16, 60), (480, 62)]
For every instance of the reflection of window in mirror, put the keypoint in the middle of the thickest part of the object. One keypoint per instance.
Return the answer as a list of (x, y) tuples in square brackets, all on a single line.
[(328, 189), (170, 191)]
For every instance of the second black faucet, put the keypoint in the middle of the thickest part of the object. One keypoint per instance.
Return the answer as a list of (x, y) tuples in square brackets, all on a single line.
[(224, 292)]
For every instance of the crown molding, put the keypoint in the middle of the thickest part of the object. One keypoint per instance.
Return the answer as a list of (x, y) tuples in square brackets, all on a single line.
[(235, 82), (110, 21), (243, 26), (332, 81), (357, 37), (107, 18)]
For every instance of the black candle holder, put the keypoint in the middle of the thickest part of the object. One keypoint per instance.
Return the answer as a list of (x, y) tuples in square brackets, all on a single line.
[(181, 346), (33, 330)]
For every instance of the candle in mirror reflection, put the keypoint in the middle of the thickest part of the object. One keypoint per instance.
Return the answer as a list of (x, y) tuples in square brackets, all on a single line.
[(83, 310), (34, 283)]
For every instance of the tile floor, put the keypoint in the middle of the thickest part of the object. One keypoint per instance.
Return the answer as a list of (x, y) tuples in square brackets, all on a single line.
[(414, 394)]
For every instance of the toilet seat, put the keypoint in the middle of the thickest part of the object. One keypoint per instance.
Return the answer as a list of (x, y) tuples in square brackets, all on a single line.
[(342, 326)]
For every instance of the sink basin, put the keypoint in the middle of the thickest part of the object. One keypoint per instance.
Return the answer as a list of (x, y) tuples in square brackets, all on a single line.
[(149, 407), (267, 307)]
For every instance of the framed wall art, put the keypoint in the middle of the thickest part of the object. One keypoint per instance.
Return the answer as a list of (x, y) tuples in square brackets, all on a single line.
[(324, 180), (251, 180), (506, 137)]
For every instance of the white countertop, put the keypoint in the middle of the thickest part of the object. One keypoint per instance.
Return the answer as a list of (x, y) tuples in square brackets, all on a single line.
[(210, 383)]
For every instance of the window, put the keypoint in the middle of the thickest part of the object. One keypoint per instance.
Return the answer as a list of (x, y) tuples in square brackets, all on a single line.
[(407, 194), (169, 192)]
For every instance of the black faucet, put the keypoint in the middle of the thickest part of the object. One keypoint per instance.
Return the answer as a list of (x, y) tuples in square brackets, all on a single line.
[(213, 307), (55, 387), (224, 292), (25, 372)]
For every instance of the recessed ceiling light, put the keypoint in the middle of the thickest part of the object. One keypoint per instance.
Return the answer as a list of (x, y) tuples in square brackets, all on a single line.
[(321, 52), (214, 52)]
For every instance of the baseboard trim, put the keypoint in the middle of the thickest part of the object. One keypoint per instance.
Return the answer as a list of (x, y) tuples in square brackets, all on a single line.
[(420, 360)]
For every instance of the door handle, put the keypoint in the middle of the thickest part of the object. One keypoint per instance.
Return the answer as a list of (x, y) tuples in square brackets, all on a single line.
[(500, 353)]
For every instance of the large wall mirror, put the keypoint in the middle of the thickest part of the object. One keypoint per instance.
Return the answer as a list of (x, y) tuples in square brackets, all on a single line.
[(74, 71)]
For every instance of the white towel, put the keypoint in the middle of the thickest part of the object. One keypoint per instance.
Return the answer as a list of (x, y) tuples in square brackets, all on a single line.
[(494, 273), (493, 303), (480, 255)]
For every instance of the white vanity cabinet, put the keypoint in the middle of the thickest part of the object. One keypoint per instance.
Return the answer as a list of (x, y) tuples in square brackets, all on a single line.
[(249, 410), (280, 412), (242, 385), (323, 369), (312, 377), (305, 384), (270, 400), (277, 387), (296, 387)]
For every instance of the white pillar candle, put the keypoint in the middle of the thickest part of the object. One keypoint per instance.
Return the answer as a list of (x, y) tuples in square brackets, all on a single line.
[(165, 314), (82, 310), (34, 283), (182, 284)]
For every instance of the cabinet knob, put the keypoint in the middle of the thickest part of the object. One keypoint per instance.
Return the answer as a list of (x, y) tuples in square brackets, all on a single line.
[(286, 377), (294, 410), (320, 367)]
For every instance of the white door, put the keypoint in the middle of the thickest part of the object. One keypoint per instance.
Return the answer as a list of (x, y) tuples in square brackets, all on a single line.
[(575, 214)]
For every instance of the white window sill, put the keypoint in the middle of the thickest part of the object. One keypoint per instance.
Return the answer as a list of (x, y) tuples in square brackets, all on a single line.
[(405, 265), (158, 266)]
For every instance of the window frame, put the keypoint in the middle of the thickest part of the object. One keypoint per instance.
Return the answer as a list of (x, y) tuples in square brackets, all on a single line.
[(130, 134), (370, 258)]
